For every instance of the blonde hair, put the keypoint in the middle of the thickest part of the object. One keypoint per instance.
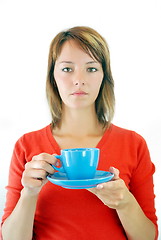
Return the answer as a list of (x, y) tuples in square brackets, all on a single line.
[(94, 45)]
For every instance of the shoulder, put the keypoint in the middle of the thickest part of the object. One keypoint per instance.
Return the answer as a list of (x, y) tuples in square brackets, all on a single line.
[(119, 131), (33, 143), (34, 136), (132, 145), (127, 136), (37, 133)]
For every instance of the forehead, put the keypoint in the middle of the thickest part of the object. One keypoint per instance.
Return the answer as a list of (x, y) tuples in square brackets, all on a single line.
[(73, 50)]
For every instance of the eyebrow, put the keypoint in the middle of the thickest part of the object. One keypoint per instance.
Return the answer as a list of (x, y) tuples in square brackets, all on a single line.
[(69, 62), (91, 62), (66, 62)]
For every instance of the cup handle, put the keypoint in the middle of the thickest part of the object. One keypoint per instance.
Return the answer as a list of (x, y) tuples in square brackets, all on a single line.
[(61, 169)]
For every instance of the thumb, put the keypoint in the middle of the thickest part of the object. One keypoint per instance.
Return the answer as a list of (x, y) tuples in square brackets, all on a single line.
[(116, 173), (57, 162)]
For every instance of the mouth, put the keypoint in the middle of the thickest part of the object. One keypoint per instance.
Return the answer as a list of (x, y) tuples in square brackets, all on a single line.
[(79, 93)]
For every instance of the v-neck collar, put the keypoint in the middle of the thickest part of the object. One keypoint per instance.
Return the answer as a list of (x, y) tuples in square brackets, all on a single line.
[(56, 146)]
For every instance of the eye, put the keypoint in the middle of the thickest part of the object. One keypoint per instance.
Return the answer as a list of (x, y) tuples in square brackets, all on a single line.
[(66, 69), (92, 69)]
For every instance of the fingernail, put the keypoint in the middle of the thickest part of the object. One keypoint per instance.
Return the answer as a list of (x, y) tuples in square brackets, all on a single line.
[(57, 164), (99, 186)]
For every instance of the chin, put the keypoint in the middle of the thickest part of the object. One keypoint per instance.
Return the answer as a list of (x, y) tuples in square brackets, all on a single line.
[(79, 105)]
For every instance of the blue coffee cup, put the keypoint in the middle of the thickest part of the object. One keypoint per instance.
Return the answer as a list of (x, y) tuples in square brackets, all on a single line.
[(78, 163)]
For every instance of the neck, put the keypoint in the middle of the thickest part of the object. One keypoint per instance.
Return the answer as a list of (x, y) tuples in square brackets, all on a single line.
[(79, 122)]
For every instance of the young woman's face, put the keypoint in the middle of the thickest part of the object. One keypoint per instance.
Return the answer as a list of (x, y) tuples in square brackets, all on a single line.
[(78, 76)]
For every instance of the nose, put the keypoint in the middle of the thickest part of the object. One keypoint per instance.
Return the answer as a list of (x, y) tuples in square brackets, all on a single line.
[(79, 79), (77, 83)]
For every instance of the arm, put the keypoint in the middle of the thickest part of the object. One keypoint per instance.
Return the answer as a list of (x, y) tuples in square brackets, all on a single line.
[(19, 224), (116, 195), (135, 223)]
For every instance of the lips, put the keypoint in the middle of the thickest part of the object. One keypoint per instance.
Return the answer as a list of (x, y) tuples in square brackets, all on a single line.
[(79, 93)]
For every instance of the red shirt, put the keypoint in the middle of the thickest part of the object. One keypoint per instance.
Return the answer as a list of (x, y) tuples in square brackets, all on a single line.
[(65, 214)]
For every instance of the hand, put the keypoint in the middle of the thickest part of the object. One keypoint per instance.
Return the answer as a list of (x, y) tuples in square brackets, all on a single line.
[(114, 193), (36, 171)]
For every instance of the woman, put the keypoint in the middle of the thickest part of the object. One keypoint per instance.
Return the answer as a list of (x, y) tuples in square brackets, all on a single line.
[(80, 91)]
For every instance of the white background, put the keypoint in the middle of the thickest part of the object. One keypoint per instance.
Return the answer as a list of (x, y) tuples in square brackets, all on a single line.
[(133, 32)]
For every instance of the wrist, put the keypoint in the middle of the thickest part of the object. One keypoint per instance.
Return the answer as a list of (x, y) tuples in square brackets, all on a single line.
[(29, 193), (128, 205)]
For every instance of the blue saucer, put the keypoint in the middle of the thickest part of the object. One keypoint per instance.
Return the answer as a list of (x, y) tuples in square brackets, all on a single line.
[(61, 179)]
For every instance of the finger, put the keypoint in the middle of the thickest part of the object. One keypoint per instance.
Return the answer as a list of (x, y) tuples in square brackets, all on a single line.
[(32, 182), (58, 163), (92, 190), (33, 178), (35, 173), (100, 186), (105, 185), (45, 157), (41, 165), (116, 173)]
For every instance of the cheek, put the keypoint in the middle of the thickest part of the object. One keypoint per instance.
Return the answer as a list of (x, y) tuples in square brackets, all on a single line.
[(60, 80), (96, 87), (97, 82)]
